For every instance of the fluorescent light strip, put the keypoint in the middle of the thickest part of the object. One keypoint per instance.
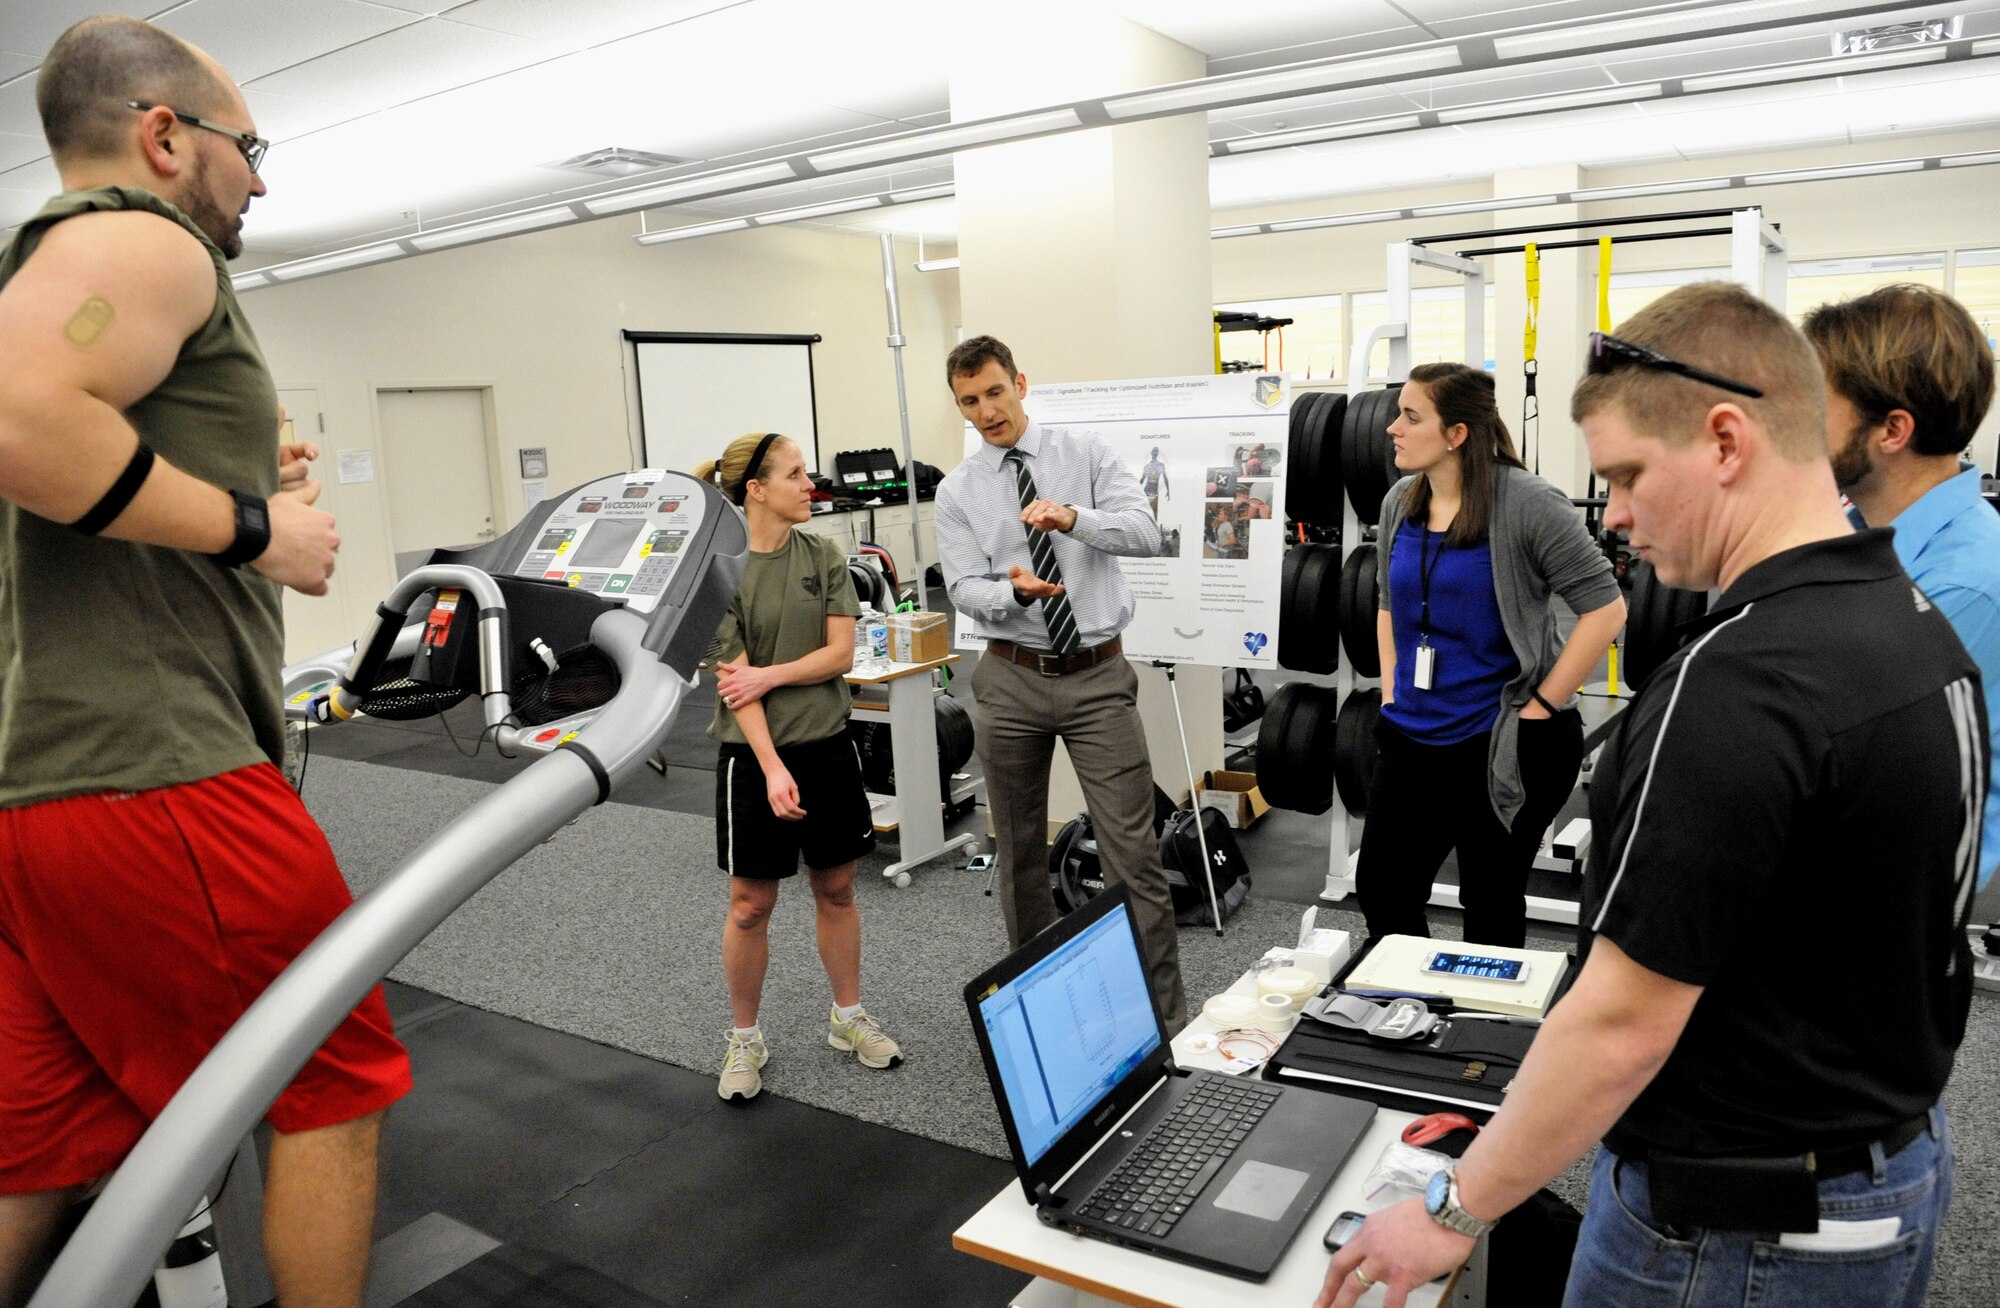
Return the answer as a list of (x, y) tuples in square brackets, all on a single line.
[(1212, 92), (1313, 135), (1681, 23), (692, 188), (1991, 45), (1649, 188), (1248, 229), (1482, 206), (1549, 103), (1967, 160), (1337, 220), (249, 281), (699, 229), (918, 194), (823, 210), (910, 145), (327, 263), (1826, 174), (510, 225), (1817, 68), (937, 265)]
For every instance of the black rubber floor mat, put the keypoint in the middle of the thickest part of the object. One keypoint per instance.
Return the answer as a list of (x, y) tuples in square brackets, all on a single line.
[(512, 1277)]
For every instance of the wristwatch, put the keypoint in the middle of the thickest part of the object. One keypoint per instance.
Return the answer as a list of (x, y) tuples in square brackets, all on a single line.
[(253, 531), (1441, 1202)]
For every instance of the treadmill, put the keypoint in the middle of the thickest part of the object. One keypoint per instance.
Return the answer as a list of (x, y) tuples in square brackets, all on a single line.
[(580, 630)]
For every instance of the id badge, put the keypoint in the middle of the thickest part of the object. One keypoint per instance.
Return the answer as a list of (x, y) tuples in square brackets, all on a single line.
[(1426, 669)]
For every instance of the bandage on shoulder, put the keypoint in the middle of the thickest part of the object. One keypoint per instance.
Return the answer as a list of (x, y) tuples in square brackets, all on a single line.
[(107, 509), (88, 323)]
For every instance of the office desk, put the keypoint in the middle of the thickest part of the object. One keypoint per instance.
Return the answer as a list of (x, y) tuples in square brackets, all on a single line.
[(916, 811)]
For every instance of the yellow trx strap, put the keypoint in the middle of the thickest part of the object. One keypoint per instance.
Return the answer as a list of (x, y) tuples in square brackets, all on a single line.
[(1604, 283), (1531, 404)]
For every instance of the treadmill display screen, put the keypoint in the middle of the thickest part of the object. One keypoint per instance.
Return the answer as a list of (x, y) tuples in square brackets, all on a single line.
[(607, 543)]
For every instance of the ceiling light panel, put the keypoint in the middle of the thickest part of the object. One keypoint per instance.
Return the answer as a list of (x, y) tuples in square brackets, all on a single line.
[(689, 233), (1658, 27), (1284, 82), (949, 139), (1551, 103), (1513, 84), (1818, 68), (511, 225), (333, 262), (1314, 135), (717, 183)]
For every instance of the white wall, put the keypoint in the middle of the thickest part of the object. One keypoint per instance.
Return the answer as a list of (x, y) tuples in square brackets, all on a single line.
[(537, 319)]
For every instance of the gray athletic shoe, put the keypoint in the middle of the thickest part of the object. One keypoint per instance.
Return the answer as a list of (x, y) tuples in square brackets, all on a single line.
[(740, 1079), (864, 1038)]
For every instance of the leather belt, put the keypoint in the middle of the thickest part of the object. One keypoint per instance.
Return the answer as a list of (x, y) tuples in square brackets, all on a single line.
[(1829, 1163), (1050, 664)]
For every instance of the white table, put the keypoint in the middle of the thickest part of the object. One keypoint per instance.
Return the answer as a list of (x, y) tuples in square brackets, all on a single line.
[(916, 811), (1073, 1271)]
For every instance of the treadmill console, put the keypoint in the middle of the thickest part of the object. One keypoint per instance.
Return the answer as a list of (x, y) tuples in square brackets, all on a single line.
[(620, 537)]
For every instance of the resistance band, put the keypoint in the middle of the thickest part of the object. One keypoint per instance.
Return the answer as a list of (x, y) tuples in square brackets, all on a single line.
[(1531, 404)]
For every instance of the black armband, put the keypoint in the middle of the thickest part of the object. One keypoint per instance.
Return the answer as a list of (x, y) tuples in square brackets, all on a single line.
[(253, 531), (103, 513)]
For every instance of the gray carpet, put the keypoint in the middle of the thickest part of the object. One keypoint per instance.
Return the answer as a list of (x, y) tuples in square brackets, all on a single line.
[(612, 931)]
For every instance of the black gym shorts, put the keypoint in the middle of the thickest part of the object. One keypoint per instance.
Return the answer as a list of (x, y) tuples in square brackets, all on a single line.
[(752, 841)]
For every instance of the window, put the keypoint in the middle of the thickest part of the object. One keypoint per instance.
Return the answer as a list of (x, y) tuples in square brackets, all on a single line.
[(1437, 327), (1811, 283), (1310, 347), (1977, 287)]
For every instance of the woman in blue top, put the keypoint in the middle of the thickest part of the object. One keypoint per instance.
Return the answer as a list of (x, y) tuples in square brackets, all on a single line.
[(1479, 740)]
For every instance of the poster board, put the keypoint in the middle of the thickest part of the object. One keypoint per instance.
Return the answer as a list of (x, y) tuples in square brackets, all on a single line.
[(698, 391), (1212, 596)]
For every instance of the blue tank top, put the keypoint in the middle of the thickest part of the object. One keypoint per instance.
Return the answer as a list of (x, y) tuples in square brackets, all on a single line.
[(1473, 661)]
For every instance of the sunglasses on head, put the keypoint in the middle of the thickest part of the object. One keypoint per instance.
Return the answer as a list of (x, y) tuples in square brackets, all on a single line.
[(1609, 354)]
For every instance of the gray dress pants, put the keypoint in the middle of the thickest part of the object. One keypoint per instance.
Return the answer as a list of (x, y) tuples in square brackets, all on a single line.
[(1096, 713)]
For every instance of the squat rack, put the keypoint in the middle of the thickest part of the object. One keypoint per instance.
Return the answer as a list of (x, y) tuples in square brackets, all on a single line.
[(1757, 259)]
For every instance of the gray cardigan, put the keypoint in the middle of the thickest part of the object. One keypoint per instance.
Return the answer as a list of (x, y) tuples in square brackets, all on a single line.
[(1539, 547)]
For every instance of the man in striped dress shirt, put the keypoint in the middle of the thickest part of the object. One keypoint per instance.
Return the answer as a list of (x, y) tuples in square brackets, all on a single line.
[(1029, 527)]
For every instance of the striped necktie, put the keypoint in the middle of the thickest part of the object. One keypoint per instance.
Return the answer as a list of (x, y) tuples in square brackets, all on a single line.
[(1055, 610)]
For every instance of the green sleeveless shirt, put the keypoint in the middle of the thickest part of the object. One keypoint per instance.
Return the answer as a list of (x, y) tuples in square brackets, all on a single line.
[(130, 667)]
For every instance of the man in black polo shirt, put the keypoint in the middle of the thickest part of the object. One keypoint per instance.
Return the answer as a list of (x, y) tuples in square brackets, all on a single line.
[(1762, 1065)]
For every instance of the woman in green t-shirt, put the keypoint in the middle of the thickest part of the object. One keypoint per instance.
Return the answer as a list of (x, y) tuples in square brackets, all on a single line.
[(787, 779)]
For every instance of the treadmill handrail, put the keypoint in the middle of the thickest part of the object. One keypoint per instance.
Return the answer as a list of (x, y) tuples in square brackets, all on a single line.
[(119, 1243)]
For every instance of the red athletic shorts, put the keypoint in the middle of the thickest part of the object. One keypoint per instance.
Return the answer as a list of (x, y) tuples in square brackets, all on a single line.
[(134, 929)]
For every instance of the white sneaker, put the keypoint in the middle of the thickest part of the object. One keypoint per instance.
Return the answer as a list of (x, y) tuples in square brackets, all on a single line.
[(740, 1079), (864, 1038)]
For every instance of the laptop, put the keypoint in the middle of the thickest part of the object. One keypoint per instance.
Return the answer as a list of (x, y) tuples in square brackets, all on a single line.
[(1112, 1140)]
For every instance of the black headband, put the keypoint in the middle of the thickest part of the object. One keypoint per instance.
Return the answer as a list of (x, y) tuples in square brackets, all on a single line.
[(742, 490)]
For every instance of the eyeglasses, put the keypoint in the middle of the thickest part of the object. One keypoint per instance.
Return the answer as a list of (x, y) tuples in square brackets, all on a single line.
[(253, 147), (1609, 354)]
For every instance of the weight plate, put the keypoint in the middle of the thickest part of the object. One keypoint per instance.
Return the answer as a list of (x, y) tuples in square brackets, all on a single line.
[(1294, 753), (1354, 749), (1367, 454), (1357, 612), (1308, 609), (1313, 496)]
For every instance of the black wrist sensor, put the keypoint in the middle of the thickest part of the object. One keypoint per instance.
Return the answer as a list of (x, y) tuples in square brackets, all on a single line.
[(253, 531)]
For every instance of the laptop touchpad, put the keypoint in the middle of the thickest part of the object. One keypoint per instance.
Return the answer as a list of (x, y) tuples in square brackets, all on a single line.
[(1261, 1190)]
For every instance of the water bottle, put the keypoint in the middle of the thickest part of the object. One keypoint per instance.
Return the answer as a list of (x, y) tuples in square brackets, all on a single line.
[(191, 1274), (878, 642), (864, 650)]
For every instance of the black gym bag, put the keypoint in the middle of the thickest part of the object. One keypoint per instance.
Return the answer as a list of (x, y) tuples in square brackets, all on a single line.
[(1180, 852)]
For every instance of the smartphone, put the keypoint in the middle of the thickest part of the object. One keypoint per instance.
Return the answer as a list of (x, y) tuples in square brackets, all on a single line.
[(1482, 966), (1345, 1227)]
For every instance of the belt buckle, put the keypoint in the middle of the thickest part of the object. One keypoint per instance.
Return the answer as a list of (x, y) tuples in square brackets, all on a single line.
[(1042, 664)]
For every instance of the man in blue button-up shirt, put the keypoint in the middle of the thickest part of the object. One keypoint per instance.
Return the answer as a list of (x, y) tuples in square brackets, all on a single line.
[(1909, 379)]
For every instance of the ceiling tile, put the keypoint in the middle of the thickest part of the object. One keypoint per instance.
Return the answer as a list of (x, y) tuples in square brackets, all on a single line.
[(32, 26), (407, 64), (288, 117), (17, 108), (578, 26), (13, 64), (1242, 33), (16, 150), (1453, 18), (1480, 88), (254, 38)]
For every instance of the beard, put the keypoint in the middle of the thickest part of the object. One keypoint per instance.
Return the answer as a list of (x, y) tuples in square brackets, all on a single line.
[(226, 230), (1852, 463)]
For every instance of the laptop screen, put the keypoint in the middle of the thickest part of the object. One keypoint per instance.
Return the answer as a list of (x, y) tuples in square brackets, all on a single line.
[(1069, 1029)]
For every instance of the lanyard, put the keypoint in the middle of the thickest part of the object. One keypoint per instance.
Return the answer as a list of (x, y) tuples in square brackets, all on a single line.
[(1426, 565)]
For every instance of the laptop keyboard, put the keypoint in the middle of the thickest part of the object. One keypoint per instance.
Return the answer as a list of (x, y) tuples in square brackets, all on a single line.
[(1158, 1182)]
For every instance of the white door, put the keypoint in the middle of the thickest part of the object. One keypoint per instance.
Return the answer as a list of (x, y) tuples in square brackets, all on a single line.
[(319, 622), (436, 470)]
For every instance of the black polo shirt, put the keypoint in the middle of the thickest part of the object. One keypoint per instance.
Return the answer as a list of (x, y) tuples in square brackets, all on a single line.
[(1788, 816)]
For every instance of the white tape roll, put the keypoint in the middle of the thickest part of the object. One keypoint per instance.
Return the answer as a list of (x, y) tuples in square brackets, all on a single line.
[(1230, 1011), (1274, 1013), (1296, 984)]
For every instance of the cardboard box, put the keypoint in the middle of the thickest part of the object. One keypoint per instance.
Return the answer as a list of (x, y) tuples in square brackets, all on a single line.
[(917, 637), (1235, 796)]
